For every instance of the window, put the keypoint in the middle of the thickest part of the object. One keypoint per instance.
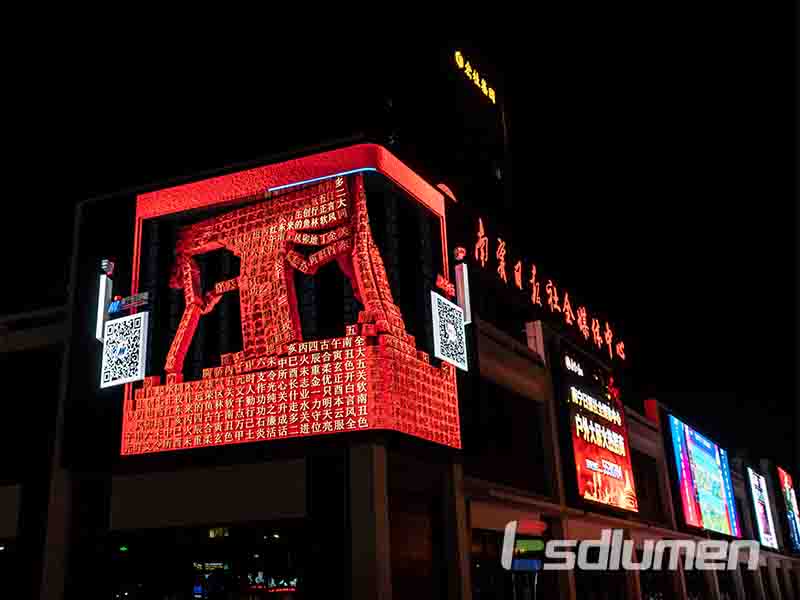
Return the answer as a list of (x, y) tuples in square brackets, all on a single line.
[(646, 473), (491, 582), (502, 437)]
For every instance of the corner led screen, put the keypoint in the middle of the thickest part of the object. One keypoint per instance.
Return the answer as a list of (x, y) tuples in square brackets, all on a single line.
[(766, 526), (792, 510), (282, 224), (704, 479), (602, 452)]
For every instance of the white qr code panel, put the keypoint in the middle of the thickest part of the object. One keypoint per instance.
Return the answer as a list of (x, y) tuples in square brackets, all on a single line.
[(124, 350), (449, 339)]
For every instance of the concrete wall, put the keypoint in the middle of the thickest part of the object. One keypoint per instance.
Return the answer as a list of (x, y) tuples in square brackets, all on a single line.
[(239, 493)]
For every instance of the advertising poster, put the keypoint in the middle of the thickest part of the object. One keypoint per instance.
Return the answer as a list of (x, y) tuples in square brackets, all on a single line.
[(766, 526), (704, 480), (602, 452), (792, 510)]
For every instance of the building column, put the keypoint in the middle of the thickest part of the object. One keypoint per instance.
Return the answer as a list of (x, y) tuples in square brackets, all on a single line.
[(566, 579), (457, 534), (679, 583), (786, 573), (56, 539), (772, 580), (633, 580), (369, 523), (712, 583), (738, 582)]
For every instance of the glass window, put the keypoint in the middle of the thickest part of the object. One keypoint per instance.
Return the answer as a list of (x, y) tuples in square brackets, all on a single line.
[(599, 585), (656, 585), (491, 582), (645, 474), (502, 437), (249, 563)]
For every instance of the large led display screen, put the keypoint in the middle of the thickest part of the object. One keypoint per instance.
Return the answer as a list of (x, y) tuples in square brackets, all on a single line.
[(704, 479), (792, 510), (763, 510), (602, 452), (254, 243)]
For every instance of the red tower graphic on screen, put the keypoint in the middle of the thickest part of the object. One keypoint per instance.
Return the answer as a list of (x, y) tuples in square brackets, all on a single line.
[(278, 385)]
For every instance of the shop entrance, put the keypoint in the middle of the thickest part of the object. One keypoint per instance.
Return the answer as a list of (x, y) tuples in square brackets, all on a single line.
[(242, 562)]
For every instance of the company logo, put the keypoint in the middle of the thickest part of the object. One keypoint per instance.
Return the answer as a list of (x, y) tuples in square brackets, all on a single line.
[(613, 553), (573, 365)]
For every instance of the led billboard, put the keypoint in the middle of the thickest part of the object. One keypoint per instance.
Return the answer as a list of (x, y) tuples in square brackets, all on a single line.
[(763, 510), (704, 480), (601, 449), (792, 510), (248, 256)]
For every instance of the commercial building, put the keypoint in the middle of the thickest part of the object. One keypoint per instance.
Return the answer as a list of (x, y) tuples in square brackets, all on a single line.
[(324, 375)]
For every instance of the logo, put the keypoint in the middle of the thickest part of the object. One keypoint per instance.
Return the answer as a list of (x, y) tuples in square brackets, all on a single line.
[(523, 546), (525, 550)]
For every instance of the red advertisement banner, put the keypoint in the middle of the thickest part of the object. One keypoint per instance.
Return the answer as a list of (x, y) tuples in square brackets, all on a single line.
[(602, 452)]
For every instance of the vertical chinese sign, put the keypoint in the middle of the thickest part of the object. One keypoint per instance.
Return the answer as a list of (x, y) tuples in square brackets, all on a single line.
[(279, 385)]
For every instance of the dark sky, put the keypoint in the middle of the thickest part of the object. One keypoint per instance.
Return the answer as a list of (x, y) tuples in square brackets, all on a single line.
[(654, 167)]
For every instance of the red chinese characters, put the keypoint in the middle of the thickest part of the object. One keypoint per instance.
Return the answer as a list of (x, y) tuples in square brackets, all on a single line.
[(501, 260), (280, 386), (482, 245), (327, 386), (578, 318), (518, 274)]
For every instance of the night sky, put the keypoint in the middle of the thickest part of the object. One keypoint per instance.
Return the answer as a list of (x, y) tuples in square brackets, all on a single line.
[(653, 170)]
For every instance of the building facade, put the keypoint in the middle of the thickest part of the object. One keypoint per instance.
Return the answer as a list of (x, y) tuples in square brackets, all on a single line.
[(324, 376)]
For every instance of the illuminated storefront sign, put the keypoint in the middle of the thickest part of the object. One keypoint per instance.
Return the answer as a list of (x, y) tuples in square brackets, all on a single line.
[(472, 73), (279, 385), (792, 509), (602, 453), (527, 279), (763, 509), (573, 365), (704, 479)]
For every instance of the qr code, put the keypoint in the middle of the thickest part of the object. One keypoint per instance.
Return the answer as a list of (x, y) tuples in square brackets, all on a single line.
[(449, 341), (124, 350)]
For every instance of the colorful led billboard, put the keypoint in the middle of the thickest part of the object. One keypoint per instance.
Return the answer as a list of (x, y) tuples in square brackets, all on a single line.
[(792, 510), (602, 452), (704, 479), (282, 223), (763, 509)]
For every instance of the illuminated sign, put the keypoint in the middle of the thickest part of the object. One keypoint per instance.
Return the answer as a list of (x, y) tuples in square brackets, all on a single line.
[(763, 510), (280, 385), (573, 365), (792, 509), (602, 452), (527, 278), (704, 479), (472, 73)]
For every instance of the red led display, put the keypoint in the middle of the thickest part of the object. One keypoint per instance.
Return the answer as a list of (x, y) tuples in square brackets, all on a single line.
[(353, 383), (280, 386)]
